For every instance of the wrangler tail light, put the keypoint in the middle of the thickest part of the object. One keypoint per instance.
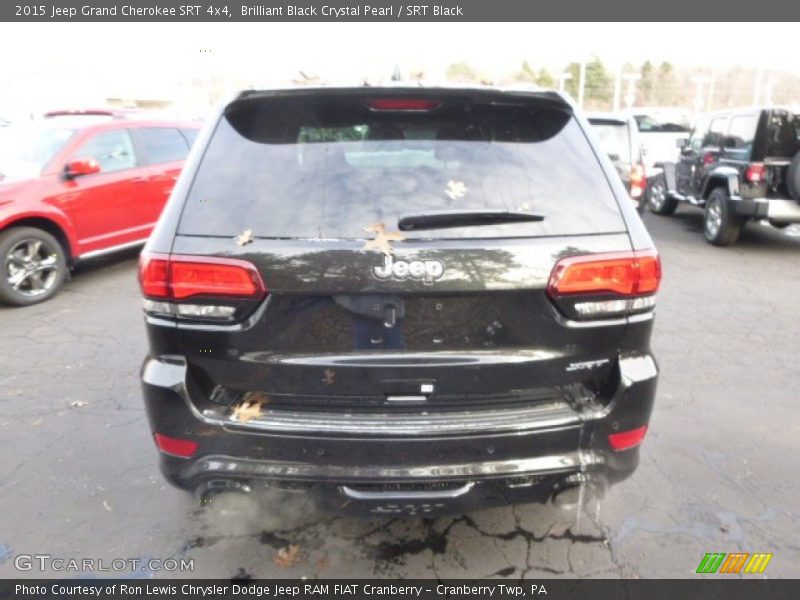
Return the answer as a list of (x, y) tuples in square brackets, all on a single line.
[(638, 181), (755, 173), (603, 285), (214, 286)]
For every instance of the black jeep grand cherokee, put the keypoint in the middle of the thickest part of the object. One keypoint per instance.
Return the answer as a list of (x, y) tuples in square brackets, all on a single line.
[(400, 300)]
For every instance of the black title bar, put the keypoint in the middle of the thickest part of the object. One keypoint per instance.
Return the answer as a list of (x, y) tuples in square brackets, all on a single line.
[(389, 10)]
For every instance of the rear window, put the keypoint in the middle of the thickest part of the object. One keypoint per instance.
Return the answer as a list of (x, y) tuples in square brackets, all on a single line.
[(738, 144), (662, 124), (329, 166), (783, 134), (614, 139)]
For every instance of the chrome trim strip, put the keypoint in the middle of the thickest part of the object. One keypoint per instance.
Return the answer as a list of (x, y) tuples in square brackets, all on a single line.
[(406, 398), (227, 466), (410, 494), (407, 359), (541, 417), (96, 253)]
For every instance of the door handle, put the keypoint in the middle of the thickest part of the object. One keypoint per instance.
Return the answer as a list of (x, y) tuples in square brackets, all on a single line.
[(139, 180)]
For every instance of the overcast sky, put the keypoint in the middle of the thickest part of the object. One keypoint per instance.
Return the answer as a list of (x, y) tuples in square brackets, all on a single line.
[(341, 50), (46, 65)]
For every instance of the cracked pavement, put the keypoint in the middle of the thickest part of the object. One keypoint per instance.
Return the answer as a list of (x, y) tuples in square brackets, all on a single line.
[(78, 472)]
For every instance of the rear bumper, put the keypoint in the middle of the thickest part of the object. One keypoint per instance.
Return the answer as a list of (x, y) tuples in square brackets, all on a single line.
[(413, 465), (774, 209)]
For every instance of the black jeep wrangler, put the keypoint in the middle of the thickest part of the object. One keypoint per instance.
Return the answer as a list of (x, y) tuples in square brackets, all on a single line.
[(738, 165)]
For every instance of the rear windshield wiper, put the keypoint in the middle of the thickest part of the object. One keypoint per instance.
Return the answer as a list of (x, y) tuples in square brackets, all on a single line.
[(464, 218)]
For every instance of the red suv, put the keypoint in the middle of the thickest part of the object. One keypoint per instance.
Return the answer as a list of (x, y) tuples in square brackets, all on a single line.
[(76, 186)]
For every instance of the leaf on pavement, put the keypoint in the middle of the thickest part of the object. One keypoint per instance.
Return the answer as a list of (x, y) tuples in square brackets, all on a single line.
[(288, 556)]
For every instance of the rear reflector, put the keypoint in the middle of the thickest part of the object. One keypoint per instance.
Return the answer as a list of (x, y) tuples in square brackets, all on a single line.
[(175, 446), (402, 104), (179, 277), (625, 440), (623, 273)]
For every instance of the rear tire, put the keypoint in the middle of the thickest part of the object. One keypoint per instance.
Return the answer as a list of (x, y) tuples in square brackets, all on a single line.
[(658, 199), (33, 266), (720, 227)]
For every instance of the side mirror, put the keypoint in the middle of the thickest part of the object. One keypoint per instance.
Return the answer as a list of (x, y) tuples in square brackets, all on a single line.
[(682, 143), (81, 166)]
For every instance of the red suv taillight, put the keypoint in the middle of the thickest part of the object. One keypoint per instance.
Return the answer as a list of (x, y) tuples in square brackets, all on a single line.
[(603, 285), (638, 181), (755, 173), (219, 283)]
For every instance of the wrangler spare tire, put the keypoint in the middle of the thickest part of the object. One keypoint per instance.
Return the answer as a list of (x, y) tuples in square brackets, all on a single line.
[(793, 177)]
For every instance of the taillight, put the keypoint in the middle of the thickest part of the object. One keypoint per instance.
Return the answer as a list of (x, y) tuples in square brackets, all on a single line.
[(755, 173), (709, 158), (153, 276), (638, 181), (603, 285), (219, 283), (175, 446), (213, 277), (625, 440), (402, 104)]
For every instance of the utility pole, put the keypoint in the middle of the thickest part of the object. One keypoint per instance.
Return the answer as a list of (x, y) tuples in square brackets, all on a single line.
[(617, 88), (699, 80), (581, 84), (770, 87), (709, 103), (757, 86), (630, 96), (562, 78)]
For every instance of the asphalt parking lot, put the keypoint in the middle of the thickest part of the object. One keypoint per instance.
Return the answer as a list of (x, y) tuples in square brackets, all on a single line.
[(78, 474)]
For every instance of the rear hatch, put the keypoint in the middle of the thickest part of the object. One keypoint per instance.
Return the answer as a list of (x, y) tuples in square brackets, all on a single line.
[(405, 240)]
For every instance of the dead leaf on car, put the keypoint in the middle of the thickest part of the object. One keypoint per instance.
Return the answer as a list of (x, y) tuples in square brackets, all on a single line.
[(256, 396), (246, 411), (456, 189), (245, 237), (288, 556), (328, 376), (382, 239)]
